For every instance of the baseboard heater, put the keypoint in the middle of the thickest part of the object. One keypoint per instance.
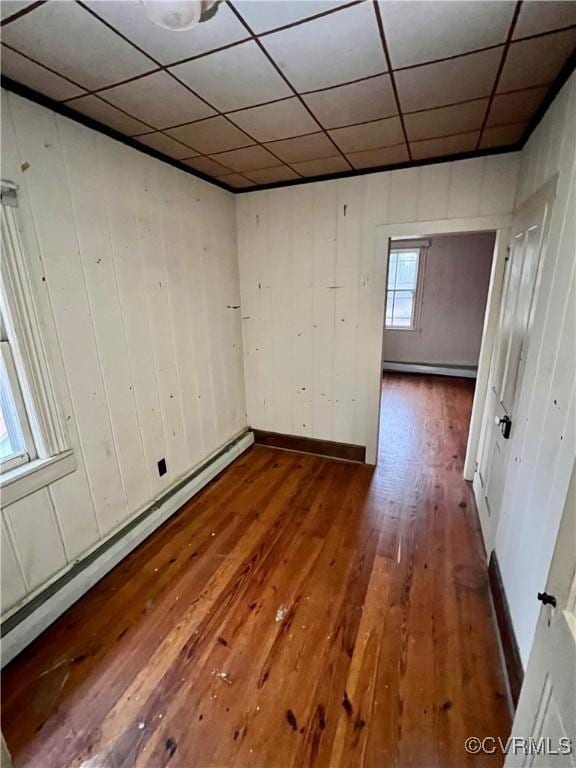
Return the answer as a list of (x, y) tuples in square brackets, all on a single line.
[(31, 619), (301, 444), (462, 371)]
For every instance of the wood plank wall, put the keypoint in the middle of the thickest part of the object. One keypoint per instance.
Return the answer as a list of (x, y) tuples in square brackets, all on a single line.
[(543, 447), (137, 279), (312, 284)]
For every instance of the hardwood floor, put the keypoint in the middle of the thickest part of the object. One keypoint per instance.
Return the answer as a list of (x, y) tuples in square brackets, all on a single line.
[(298, 612)]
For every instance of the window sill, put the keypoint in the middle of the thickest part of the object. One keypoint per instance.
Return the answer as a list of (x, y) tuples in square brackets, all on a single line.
[(31, 477), (402, 330)]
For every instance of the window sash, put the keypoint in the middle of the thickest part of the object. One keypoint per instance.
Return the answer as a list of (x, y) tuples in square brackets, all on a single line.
[(14, 412), (392, 319)]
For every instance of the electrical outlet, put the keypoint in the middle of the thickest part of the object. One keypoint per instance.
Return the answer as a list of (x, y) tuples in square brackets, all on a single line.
[(162, 467)]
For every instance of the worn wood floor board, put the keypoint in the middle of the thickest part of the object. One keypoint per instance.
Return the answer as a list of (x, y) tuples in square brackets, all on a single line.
[(299, 612)]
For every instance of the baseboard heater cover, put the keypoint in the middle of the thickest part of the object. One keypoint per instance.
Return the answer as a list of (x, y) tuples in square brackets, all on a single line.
[(508, 642), (29, 621), (302, 444), (462, 371)]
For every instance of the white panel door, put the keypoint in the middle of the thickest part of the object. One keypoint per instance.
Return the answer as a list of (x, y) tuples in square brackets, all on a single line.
[(528, 241), (544, 728)]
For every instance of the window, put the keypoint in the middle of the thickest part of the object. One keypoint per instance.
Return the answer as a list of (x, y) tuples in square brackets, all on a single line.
[(34, 442), (16, 443), (403, 268)]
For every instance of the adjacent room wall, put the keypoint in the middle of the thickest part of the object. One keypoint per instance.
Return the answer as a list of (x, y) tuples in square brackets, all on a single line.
[(543, 443), (137, 280), (454, 287), (312, 285)]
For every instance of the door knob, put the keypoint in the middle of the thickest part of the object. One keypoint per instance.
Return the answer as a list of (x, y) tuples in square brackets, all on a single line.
[(547, 599), (505, 425)]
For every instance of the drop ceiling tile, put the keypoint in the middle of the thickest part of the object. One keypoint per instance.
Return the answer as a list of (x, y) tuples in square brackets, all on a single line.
[(272, 175), (208, 166), (10, 7), (322, 167), (448, 145), (165, 46), (310, 147), (447, 82), (354, 103), (24, 71), (159, 100), (93, 107), (166, 145), (214, 135), (236, 180), (423, 31), (262, 16), (536, 18), (247, 159), (275, 121), (67, 38), (373, 158), (460, 118), (381, 133), (237, 77), (333, 49), (515, 107), (502, 136), (537, 61)]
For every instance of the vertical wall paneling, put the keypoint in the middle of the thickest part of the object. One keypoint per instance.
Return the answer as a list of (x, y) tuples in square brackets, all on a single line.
[(71, 495), (37, 136), (338, 250), (325, 289), (135, 266)]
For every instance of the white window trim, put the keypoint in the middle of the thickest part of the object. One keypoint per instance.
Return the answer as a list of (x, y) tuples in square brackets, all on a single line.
[(54, 456), (409, 245)]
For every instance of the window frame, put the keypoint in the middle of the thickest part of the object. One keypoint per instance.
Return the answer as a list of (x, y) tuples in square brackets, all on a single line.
[(48, 447), (396, 246)]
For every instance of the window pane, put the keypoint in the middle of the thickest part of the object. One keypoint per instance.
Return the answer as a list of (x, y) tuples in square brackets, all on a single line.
[(11, 441), (403, 303), (407, 271), (392, 270)]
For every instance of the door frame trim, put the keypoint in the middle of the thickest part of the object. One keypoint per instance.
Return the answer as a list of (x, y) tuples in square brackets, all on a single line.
[(384, 233), (544, 196)]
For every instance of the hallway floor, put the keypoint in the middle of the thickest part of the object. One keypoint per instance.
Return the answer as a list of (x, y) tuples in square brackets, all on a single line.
[(298, 612)]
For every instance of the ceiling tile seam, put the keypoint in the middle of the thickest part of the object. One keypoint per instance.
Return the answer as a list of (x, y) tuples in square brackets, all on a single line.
[(215, 155), (474, 51), (46, 67), (59, 108), (489, 151), (345, 125), (174, 77), (165, 67), (300, 22), (380, 25), (22, 12), (499, 70), (283, 76)]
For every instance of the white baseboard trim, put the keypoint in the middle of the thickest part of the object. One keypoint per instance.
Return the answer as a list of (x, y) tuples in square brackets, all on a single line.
[(438, 370), (30, 620)]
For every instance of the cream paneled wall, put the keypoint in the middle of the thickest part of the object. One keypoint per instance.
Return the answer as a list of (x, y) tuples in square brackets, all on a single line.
[(137, 279), (543, 446), (312, 284)]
